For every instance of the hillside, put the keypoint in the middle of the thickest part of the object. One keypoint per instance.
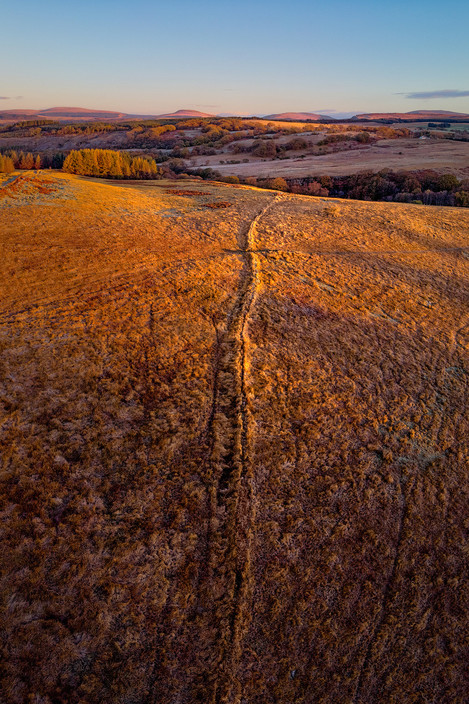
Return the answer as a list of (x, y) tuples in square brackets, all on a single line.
[(444, 156), (234, 442), (61, 113), (186, 113), (255, 148), (80, 113), (67, 114), (74, 114), (297, 116), (414, 115)]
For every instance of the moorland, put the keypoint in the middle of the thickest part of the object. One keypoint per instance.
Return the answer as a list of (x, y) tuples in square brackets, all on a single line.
[(368, 159), (234, 440)]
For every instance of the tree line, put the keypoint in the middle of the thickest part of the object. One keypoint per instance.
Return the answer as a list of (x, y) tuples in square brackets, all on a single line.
[(422, 187), (106, 163), (11, 160), (103, 163)]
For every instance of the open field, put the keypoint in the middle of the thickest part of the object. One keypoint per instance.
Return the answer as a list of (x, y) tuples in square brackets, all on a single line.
[(398, 154), (459, 126), (234, 444)]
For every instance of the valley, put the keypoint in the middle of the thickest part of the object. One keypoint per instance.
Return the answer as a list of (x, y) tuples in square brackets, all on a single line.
[(368, 160)]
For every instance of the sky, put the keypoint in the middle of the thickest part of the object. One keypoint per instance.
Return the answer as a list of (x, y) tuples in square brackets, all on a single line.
[(236, 56)]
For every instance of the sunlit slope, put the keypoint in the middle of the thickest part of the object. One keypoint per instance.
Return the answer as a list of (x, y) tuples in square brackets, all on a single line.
[(359, 575), (234, 443), (92, 231)]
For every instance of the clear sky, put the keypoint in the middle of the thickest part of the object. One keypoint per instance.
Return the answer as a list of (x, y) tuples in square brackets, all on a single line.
[(237, 56)]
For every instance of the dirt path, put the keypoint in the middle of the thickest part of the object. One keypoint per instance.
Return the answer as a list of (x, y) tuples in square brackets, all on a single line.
[(232, 505)]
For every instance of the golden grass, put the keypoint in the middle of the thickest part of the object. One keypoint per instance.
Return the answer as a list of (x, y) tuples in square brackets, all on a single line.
[(233, 446)]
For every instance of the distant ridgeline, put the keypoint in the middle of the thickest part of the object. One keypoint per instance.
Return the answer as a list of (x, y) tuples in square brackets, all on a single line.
[(106, 163)]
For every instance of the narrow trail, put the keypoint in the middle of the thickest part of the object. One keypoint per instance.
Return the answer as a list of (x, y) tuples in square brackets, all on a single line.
[(221, 605), (232, 505)]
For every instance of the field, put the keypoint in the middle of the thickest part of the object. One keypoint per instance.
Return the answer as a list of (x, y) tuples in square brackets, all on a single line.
[(234, 442), (398, 154), (459, 126)]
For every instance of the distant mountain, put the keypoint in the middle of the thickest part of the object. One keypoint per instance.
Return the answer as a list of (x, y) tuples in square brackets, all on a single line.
[(297, 116), (414, 115), (447, 113), (80, 113), (72, 114), (185, 113), (18, 111), (61, 114)]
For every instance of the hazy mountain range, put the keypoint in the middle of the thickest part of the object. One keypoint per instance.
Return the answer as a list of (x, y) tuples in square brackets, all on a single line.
[(76, 114)]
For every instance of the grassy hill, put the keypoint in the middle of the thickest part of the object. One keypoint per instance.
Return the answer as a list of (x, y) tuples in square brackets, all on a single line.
[(234, 440)]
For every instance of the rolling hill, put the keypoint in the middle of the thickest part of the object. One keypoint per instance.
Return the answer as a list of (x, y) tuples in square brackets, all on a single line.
[(72, 114), (81, 113), (234, 443), (61, 113), (187, 113), (298, 116), (84, 114), (414, 115)]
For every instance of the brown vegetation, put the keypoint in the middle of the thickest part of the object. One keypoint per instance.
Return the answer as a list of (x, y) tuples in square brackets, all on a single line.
[(233, 446), (184, 192), (235, 148), (443, 155), (23, 185), (218, 204)]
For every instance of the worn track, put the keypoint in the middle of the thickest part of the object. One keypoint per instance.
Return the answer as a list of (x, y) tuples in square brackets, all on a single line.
[(232, 504)]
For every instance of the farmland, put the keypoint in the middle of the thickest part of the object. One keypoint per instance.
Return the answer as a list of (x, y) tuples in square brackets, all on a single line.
[(234, 441)]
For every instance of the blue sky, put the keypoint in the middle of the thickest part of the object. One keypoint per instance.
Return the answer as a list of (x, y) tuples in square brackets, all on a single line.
[(240, 56)]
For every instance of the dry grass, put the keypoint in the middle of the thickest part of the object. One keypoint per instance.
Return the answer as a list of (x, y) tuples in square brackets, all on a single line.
[(218, 204), (443, 156), (18, 186), (233, 446)]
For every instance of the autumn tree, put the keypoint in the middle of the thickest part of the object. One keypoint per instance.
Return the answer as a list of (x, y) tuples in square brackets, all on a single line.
[(265, 149), (106, 163), (26, 161), (276, 184), (6, 164)]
